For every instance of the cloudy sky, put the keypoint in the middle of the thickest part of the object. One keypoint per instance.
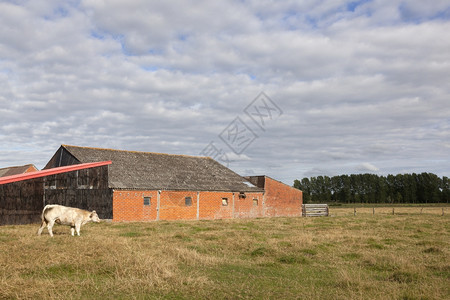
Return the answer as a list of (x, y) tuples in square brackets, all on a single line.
[(289, 89)]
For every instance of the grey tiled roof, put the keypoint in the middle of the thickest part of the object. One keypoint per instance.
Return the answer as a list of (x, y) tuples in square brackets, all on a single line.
[(157, 171), (16, 170)]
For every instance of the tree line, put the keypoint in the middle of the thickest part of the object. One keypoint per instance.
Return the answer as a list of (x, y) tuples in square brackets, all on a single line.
[(372, 188)]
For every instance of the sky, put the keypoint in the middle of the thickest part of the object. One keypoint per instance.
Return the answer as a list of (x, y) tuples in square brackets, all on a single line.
[(288, 89)]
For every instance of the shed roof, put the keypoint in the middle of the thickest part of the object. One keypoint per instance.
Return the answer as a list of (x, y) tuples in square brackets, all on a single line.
[(42, 173), (8, 171), (158, 171)]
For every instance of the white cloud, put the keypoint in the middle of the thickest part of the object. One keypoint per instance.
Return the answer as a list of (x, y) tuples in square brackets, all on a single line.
[(367, 167), (357, 81), (233, 157)]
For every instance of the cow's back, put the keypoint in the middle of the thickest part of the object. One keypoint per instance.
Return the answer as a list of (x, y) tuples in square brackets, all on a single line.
[(50, 210), (63, 213)]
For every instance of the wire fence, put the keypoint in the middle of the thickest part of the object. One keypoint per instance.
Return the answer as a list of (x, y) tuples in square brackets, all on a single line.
[(386, 210)]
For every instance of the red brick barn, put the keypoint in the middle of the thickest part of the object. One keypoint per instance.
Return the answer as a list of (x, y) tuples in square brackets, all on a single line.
[(147, 186)]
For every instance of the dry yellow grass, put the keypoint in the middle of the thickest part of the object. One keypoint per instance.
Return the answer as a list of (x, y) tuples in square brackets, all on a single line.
[(389, 210), (381, 256)]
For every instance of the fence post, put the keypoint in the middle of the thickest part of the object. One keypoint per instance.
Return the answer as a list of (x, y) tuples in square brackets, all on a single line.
[(421, 210), (373, 211), (354, 211), (393, 211), (442, 211)]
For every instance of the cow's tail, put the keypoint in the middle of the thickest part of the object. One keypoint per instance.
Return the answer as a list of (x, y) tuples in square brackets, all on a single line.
[(43, 221), (43, 214)]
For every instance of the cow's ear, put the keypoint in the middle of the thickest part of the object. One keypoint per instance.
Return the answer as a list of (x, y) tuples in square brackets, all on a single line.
[(92, 214)]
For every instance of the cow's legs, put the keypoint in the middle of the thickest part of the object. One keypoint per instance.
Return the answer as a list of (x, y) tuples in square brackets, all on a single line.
[(72, 230), (50, 226), (42, 227), (77, 227)]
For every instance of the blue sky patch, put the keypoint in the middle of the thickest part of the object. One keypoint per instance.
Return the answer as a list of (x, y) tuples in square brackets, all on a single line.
[(353, 5)]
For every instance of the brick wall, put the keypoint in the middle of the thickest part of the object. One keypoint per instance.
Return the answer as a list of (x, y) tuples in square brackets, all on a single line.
[(173, 205), (281, 199), (278, 200), (252, 206), (212, 205), (128, 205), (216, 205)]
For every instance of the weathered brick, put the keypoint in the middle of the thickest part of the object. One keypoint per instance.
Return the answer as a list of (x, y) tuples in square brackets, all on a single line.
[(277, 200)]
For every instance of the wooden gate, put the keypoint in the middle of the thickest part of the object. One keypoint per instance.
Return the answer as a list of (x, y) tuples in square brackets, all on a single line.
[(315, 210)]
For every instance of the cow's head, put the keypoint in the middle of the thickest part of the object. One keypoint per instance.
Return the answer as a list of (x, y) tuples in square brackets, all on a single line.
[(94, 217)]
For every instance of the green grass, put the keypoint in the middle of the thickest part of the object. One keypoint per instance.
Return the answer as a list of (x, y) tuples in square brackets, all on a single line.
[(366, 256)]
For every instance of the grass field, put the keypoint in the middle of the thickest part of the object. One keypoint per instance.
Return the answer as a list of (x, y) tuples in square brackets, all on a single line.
[(367, 256)]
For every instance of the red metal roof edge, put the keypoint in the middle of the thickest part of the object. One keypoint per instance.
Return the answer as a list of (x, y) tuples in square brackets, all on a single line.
[(53, 171)]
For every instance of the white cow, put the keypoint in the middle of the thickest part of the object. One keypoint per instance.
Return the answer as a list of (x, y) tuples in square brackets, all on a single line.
[(64, 215)]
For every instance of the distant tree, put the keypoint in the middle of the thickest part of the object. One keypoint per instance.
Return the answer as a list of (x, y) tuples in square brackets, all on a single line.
[(305, 187), (421, 189), (390, 182), (410, 189), (381, 190), (433, 184), (336, 188), (445, 190), (326, 189), (372, 188), (346, 192), (306, 184), (356, 188)]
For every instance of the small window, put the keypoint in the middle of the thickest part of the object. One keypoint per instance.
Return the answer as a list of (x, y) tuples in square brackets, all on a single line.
[(147, 201), (188, 201), (224, 201), (242, 195), (255, 202)]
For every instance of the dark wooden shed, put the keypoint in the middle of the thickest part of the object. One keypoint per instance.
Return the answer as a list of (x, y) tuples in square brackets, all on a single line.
[(23, 196)]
